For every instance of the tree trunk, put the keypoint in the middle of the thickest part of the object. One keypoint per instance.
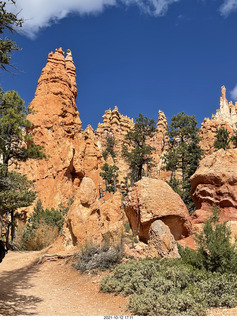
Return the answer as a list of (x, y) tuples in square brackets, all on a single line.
[(7, 230), (13, 228)]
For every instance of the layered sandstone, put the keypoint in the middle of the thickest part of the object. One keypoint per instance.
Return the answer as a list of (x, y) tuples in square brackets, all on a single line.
[(71, 153), (152, 199), (225, 117), (215, 184)]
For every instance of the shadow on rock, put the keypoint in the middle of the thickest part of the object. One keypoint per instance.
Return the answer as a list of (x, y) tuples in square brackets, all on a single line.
[(12, 283)]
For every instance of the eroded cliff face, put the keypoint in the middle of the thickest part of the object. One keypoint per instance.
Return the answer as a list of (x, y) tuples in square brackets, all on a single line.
[(117, 126), (215, 184), (225, 117), (114, 125), (71, 153)]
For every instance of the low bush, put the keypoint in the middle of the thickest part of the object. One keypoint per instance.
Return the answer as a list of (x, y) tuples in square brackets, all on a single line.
[(188, 286), (95, 257), (170, 288)]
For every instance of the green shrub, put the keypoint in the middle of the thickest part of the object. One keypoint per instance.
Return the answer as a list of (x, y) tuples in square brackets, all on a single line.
[(95, 257), (220, 290), (172, 303), (188, 286), (43, 227), (215, 252), (169, 287)]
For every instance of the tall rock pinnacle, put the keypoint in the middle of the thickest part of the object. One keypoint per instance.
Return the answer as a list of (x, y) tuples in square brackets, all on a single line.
[(57, 127), (54, 104)]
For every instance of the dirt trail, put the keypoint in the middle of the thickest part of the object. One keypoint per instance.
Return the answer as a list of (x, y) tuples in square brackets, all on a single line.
[(53, 288)]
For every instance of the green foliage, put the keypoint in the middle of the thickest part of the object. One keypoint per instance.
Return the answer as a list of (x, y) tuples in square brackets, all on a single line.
[(215, 251), (43, 223), (15, 143), (94, 257), (188, 286), (170, 287), (8, 21), (222, 139), (110, 143), (109, 174), (15, 190), (233, 139), (183, 155), (138, 153)]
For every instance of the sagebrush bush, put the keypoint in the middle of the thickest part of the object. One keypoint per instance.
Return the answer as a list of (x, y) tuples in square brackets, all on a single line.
[(98, 257), (170, 287)]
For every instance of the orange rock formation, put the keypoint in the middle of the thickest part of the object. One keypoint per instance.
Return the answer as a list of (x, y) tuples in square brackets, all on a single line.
[(71, 153), (114, 125), (225, 117), (215, 184), (152, 199), (117, 126)]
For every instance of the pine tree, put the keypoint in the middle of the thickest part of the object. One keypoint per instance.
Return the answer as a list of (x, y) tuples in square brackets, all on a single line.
[(15, 192), (15, 144), (222, 139), (110, 174), (110, 143), (8, 21), (138, 153), (183, 155)]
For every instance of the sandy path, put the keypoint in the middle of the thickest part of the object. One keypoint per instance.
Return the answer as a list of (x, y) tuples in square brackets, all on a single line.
[(53, 288)]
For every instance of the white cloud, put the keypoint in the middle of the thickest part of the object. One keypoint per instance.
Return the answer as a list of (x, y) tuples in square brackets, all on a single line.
[(228, 7), (43, 13), (233, 93), (151, 7)]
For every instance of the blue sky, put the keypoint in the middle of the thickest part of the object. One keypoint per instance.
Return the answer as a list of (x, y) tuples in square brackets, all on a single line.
[(142, 56)]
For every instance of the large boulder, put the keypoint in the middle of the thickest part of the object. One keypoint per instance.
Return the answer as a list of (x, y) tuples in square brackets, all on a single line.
[(93, 220), (152, 199), (215, 184), (87, 192), (161, 242)]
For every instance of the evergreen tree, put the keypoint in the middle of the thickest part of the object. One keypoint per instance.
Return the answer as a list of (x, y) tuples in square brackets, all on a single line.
[(15, 192), (15, 144), (110, 174), (233, 139), (8, 21), (215, 251), (110, 143), (183, 155), (138, 153), (222, 139)]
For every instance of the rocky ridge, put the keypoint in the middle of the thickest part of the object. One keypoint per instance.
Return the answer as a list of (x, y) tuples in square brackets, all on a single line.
[(225, 117)]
